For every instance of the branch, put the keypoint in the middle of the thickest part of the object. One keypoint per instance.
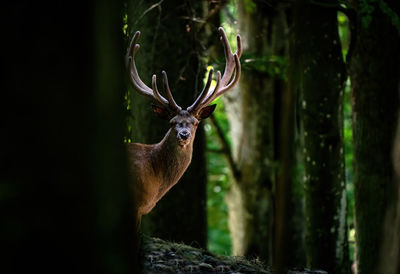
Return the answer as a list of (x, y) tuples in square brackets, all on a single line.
[(226, 150), (204, 21), (156, 5), (213, 13)]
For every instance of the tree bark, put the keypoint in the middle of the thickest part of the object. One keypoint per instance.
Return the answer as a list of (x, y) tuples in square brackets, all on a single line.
[(253, 113), (389, 257), (322, 74), (374, 72), (63, 179), (170, 41)]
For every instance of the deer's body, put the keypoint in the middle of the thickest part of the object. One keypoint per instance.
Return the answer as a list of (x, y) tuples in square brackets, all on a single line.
[(156, 168), (153, 175)]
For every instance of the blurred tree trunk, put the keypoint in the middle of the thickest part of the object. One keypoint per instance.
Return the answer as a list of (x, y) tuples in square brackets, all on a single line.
[(63, 177), (289, 244), (322, 76), (253, 113), (170, 41), (374, 72), (389, 256)]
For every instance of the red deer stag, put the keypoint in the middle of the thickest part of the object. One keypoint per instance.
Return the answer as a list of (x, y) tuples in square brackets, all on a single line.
[(158, 167)]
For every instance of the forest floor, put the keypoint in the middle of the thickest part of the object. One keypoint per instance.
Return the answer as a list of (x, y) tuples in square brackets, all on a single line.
[(159, 256)]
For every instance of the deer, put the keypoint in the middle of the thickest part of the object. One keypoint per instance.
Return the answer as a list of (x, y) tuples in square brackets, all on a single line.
[(154, 169)]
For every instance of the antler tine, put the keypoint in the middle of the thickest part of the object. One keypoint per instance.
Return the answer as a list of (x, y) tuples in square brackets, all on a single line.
[(168, 92), (232, 64), (196, 105), (213, 94), (132, 49), (134, 78), (235, 78), (130, 63), (156, 93), (229, 60), (239, 46)]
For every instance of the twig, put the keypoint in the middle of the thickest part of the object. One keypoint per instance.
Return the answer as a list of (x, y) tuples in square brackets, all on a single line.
[(214, 12), (193, 19), (226, 150), (158, 4)]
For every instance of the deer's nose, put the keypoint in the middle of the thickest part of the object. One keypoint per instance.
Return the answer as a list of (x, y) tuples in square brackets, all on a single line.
[(184, 134)]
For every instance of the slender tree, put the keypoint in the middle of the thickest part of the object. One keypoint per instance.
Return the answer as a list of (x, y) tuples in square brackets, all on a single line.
[(374, 73), (253, 113), (170, 41), (322, 74)]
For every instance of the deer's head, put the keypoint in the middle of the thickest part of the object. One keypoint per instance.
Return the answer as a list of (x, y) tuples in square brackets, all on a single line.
[(184, 122)]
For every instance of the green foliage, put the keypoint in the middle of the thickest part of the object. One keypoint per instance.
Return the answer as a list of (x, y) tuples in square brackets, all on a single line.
[(367, 8), (219, 240), (344, 33), (129, 118), (125, 24), (249, 6), (269, 65), (218, 183), (272, 65), (394, 18), (348, 143), (343, 28), (127, 97)]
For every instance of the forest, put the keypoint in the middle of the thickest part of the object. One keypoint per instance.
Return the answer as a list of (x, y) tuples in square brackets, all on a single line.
[(296, 169)]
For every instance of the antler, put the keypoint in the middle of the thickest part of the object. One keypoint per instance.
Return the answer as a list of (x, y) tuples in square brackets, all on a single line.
[(141, 87), (232, 64)]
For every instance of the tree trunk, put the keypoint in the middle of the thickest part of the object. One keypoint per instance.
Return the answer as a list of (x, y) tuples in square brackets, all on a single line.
[(170, 41), (389, 262), (374, 71), (252, 113), (322, 75), (63, 172)]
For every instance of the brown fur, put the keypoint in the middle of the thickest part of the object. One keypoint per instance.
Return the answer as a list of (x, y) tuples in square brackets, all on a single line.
[(156, 168)]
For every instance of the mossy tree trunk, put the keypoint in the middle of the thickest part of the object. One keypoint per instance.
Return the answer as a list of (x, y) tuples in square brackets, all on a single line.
[(322, 75), (374, 72), (170, 41), (63, 183), (252, 110)]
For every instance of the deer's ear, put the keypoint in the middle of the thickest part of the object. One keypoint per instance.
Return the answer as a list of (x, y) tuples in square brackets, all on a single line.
[(160, 111), (205, 112)]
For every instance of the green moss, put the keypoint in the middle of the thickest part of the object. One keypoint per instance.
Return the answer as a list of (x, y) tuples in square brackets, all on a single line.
[(166, 257), (159, 256)]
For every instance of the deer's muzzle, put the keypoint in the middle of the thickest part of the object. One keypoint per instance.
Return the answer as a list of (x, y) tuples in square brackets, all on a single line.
[(184, 134)]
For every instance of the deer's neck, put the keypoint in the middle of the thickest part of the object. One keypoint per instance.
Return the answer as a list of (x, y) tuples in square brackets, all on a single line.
[(171, 160)]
